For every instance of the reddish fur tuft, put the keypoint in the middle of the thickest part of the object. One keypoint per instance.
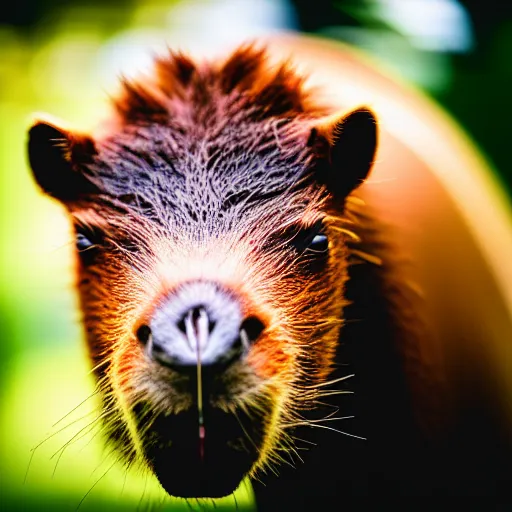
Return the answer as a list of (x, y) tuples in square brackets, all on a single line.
[(265, 90)]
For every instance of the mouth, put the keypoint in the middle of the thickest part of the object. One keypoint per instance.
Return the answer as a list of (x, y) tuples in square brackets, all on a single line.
[(200, 416), (207, 459)]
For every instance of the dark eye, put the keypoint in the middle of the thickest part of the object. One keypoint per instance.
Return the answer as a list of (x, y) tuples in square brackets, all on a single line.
[(83, 243), (311, 242), (87, 242), (313, 246), (319, 243)]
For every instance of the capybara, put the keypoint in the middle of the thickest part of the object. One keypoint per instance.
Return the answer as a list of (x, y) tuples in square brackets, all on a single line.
[(250, 307)]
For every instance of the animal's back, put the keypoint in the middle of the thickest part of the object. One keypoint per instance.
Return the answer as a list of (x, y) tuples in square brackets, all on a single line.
[(429, 330)]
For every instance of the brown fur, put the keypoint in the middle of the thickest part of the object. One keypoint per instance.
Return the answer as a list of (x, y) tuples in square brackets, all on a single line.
[(244, 83), (212, 173), (218, 172)]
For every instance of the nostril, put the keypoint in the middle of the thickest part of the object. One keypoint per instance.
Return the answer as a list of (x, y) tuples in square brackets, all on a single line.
[(194, 315), (181, 325), (253, 327), (250, 330), (143, 334)]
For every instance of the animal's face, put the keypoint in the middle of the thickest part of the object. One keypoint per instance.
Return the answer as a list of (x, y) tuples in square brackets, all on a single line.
[(211, 264)]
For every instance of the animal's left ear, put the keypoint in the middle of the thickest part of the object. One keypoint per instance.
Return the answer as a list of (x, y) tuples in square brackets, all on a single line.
[(58, 159), (346, 148)]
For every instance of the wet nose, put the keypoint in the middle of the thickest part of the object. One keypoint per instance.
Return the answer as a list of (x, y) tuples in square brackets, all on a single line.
[(202, 323)]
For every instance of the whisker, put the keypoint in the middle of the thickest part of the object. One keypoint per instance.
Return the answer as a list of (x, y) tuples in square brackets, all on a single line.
[(75, 408), (63, 449), (124, 481), (28, 467), (329, 382), (143, 493), (244, 430), (61, 430), (316, 425), (320, 420), (304, 440), (95, 484), (33, 450), (370, 258), (98, 366), (91, 424), (323, 394)]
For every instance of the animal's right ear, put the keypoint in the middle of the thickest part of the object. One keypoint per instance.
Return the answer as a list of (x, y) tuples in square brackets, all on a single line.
[(345, 148), (58, 158)]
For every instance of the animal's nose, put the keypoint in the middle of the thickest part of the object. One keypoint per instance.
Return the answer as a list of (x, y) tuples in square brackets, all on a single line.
[(202, 323)]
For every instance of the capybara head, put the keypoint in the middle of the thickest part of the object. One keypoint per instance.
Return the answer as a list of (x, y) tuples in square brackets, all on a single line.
[(211, 259)]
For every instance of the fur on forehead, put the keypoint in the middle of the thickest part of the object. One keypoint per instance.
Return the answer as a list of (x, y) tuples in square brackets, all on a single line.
[(182, 91), (208, 136)]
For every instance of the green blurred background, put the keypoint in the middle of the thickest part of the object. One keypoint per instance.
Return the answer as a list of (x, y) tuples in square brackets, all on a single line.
[(63, 57)]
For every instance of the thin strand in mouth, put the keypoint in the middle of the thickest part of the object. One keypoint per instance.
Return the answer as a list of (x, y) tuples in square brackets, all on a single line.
[(197, 328)]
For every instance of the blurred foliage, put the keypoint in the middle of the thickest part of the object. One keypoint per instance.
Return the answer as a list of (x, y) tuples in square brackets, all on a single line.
[(474, 85), (56, 55)]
